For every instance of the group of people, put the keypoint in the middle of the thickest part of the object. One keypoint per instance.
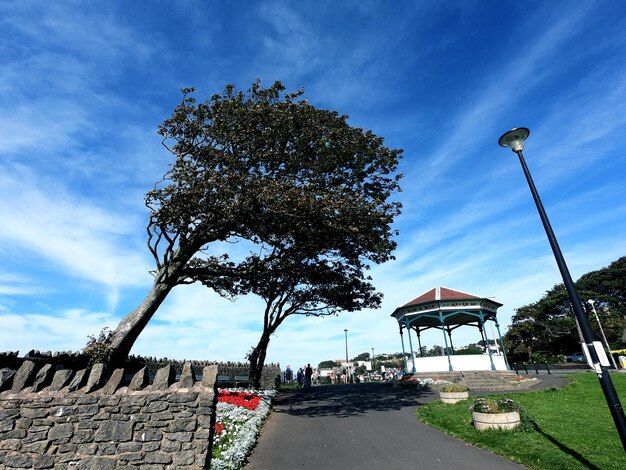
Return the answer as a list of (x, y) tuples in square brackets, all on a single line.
[(304, 377)]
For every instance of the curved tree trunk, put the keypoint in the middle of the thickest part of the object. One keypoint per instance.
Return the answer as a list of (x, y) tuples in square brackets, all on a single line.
[(132, 325), (257, 359)]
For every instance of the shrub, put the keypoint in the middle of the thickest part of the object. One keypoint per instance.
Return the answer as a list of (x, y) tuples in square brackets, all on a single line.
[(494, 405), (99, 350), (454, 387)]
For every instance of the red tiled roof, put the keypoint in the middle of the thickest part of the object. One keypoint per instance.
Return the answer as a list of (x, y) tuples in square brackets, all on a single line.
[(440, 293)]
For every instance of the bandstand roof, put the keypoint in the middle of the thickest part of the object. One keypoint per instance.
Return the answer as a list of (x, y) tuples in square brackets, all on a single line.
[(441, 304)]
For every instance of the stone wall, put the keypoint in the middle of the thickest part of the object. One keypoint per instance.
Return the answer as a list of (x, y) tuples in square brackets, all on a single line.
[(87, 419), (76, 360)]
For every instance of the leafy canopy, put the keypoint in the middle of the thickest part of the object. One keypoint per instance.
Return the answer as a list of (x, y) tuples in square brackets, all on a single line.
[(298, 183)]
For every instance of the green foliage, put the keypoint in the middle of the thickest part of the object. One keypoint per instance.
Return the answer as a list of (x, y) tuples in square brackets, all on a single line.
[(453, 388), (494, 405), (548, 325), (469, 349), (306, 197), (569, 428), (362, 357), (310, 194), (328, 364), (99, 349), (434, 351)]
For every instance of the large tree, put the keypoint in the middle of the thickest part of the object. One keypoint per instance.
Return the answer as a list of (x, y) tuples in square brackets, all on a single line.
[(608, 287), (333, 182), (548, 325), (296, 184)]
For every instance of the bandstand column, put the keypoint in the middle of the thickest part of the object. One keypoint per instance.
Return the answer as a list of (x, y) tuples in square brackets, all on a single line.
[(408, 330), (403, 353), (419, 341), (482, 323), (450, 337), (506, 359), (445, 340)]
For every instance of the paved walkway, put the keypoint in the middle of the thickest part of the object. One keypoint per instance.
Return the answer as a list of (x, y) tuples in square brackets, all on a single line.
[(364, 426)]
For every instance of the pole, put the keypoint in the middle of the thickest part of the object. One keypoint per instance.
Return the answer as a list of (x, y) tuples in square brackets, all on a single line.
[(608, 348), (604, 377), (347, 364)]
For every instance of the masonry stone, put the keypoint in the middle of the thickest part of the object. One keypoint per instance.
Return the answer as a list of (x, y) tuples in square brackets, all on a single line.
[(61, 379), (23, 423), (182, 424), (43, 377), (118, 431), (79, 380), (185, 457), (164, 377), (158, 457), (10, 413), (209, 376), (24, 377), (18, 461), (187, 376), (182, 397), (43, 461), (139, 380), (6, 425), (6, 378), (60, 431), (156, 406), (96, 378), (115, 381)]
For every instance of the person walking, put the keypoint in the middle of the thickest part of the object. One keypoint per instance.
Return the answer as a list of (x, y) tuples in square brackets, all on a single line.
[(308, 373), (300, 377)]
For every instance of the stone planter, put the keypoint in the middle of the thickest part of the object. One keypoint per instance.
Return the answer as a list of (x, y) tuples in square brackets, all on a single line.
[(495, 420), (453, 397)]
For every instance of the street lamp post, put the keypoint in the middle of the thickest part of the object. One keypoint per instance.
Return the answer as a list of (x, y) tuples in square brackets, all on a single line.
[(373, 369), (514, 139), (347, 365)]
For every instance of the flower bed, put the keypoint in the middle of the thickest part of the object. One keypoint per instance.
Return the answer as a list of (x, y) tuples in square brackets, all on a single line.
[(408, 380), (238, 422)]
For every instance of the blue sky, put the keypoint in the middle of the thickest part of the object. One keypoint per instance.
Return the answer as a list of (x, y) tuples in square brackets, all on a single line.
[(84, 86)]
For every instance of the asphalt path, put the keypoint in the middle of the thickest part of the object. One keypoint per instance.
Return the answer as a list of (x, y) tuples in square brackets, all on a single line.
[(361, 426)]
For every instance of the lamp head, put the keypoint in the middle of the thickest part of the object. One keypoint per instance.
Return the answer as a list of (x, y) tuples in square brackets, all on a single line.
[(514, 139)]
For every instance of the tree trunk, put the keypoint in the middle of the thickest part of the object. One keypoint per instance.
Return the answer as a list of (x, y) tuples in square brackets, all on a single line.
[(257, 359), (132, 325)]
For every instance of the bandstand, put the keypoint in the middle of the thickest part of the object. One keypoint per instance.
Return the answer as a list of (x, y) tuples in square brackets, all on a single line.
[(446, 309)]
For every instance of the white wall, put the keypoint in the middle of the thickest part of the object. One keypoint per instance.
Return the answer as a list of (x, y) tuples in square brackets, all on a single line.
[(462, 362)]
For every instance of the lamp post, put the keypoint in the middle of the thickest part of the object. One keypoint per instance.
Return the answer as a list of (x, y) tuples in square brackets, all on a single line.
[(514, 139), (373, 369), (347, 365)]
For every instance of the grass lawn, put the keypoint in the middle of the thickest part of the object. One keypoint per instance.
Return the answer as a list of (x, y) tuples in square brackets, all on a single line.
[(569, 428)]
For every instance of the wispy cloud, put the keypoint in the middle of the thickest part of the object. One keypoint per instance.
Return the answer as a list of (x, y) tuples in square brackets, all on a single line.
[(84, 239)]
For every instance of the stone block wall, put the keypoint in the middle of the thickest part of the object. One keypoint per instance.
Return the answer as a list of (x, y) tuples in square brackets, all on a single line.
[(91, 420)]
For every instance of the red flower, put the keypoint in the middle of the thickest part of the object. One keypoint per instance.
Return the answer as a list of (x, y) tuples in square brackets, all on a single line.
[(219, 427), (247, 400)]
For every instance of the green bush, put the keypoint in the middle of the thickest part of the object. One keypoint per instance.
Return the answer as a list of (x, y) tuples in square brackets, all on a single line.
[(452, 387), (494, 405), (99, 350)]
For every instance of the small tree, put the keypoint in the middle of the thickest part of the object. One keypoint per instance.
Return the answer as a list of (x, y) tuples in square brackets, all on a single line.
[(362, 357), (327, 364)]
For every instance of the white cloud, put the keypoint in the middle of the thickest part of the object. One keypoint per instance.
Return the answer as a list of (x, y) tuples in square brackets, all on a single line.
[(87, 240), (67, 331)]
